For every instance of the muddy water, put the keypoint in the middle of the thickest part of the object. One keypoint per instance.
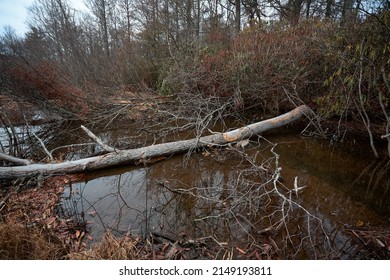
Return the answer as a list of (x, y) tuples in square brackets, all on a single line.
[(216, 193)]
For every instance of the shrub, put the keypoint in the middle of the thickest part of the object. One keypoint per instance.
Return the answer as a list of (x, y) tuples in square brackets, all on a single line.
[(359, 73), (257, 68), (44, 83)]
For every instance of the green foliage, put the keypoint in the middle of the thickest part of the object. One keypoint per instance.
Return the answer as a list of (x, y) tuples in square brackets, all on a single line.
[(164, 86), (358, 63)]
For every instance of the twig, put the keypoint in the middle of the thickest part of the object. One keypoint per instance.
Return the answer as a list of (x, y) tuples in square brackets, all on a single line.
[(72, 146), (7, 196), (361, 108), (39, 140), (43, 145), (98, 140), (13, 138)]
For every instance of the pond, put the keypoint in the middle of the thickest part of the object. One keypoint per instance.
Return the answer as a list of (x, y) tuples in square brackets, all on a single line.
[(233, 195)]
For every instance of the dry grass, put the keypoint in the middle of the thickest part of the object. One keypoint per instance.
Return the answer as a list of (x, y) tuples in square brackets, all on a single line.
[(110, 248), (18, 242)]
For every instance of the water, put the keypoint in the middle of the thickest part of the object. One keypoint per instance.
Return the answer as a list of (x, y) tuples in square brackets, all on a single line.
[(220, 193)]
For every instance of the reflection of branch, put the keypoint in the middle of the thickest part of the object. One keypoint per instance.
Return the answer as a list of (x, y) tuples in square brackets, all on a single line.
[(288, 201), (255, 205)]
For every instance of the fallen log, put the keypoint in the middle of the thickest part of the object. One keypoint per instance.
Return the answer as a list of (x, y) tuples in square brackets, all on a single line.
[(124, 157)]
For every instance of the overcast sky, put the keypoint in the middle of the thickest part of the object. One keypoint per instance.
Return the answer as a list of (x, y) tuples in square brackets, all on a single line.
[(14, 13)]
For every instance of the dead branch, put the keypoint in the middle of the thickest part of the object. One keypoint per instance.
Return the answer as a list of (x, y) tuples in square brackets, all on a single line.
[(123, 157), (98, 140), (15, 160)]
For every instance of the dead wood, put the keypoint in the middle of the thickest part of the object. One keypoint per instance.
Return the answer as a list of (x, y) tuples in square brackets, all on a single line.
[(15, 160), (125, 157)]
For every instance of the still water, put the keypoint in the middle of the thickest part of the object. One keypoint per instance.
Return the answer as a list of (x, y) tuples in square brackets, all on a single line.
[(232, 195)]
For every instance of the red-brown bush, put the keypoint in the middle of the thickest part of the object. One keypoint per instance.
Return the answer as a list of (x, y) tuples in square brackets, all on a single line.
[(45, 84), (259, 66)]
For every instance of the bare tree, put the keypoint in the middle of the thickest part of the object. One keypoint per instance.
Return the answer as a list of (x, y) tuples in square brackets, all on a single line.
[(329, 8), (53, 24), (346, 12), (103, 10), (238, 16), (254, 9)]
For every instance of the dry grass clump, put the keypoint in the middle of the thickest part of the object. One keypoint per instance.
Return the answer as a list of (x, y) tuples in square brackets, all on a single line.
[(17, 242), (110, 248)]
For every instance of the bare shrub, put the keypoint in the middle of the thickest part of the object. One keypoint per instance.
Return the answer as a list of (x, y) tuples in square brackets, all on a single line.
[(46, 83), (260, 63)]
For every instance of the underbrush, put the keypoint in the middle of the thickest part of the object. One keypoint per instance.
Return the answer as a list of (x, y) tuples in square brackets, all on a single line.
[(342, 73)]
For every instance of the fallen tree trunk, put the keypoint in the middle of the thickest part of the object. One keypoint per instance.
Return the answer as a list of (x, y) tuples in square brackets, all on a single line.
[(122, 157)]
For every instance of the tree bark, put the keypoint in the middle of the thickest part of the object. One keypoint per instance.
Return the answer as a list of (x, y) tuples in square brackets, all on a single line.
[(125, 157), (238, 17), (15, 160)]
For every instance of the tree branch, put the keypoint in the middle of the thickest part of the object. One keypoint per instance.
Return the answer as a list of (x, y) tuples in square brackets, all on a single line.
[(98, 140), (134, 156), (15, 160)]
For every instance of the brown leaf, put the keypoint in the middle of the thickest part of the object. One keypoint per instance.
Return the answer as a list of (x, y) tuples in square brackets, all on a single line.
[(359, 223), (77, 234), (380, 243), (174, 249), (50, 220), (242, 252)]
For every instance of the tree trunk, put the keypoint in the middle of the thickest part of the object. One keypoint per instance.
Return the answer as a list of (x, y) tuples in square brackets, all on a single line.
[(125, 157), (328, 9), (346, 13), (238, 16)]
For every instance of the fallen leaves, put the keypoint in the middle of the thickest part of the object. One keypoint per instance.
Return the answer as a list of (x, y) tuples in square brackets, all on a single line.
[(375, 239), (38, 208)]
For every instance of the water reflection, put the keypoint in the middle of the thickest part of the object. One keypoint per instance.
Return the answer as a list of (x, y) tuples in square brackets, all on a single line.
[(220, 194)]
